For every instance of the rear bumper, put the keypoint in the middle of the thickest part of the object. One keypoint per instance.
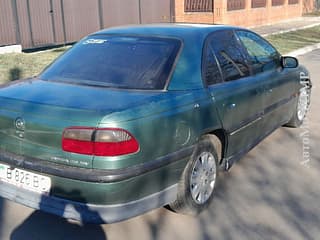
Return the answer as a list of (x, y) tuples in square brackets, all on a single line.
[(92, 175), (88, 213), (99, 196)]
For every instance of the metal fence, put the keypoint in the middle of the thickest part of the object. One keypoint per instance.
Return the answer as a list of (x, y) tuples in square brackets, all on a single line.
[(277, 2), (235, 4), (37, 23), (198, 5), (258, 3), (293, 1)]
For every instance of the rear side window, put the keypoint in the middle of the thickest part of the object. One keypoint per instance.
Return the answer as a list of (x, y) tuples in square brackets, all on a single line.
[(262, 55), (229, 54), (211, 72), (116, 61)]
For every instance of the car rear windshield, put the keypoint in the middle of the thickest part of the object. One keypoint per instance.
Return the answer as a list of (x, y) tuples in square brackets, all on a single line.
[(116, 61)]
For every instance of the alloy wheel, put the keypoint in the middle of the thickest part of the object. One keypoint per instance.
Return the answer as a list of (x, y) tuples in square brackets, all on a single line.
[(303, 103), (203, 177)]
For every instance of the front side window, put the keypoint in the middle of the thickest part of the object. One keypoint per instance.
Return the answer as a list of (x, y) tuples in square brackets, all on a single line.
[(262, 55), (117, 62), (230, 56)]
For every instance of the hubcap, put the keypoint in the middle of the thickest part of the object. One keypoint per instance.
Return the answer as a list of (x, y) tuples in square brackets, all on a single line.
[(203, 177), (303, 103)]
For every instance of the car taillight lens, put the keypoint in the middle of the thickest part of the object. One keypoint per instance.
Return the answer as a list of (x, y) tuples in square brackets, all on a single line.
[(99, 141)]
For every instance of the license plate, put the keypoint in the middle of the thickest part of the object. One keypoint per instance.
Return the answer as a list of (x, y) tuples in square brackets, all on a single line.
[(24, 179)]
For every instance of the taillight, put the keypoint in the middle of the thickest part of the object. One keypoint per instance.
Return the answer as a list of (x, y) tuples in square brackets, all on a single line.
[(99, 141)]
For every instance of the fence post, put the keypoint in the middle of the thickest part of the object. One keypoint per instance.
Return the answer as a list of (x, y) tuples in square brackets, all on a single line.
[(172, 11), (140, 12), (101, 22), (16, 20), (53, 22), (30, 23), (63, 22)]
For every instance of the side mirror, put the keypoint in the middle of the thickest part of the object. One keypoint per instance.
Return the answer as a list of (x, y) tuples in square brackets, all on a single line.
[(289, 62)]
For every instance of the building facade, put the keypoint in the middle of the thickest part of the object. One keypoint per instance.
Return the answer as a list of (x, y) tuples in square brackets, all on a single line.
[(240, 12)]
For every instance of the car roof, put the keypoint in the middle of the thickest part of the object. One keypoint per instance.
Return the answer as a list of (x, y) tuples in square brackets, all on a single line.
[(179, 30), (187, 74)]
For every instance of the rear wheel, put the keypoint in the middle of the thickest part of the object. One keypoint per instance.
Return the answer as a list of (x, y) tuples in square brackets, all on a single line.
[(199, 179), (302, 108)]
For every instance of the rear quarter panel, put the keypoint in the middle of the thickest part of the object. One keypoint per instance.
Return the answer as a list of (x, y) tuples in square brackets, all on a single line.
[(173, 121)]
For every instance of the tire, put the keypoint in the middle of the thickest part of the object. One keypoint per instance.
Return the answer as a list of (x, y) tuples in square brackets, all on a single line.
[(199, 179), (301, 108)]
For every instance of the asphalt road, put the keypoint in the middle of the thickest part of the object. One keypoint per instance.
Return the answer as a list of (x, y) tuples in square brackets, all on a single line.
[(272, 193)]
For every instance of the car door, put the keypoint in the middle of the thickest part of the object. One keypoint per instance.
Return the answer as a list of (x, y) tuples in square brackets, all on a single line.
[(277, 82), (238, 95)]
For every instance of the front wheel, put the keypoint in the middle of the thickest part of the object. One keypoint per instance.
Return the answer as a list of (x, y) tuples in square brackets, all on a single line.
[(301, 109), (199, 179)]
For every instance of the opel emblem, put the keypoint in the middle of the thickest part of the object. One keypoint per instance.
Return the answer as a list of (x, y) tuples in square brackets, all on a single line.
[(20, 124)]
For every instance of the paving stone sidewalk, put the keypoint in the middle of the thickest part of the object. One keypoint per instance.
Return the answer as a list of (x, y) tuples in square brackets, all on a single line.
[(287, 26)]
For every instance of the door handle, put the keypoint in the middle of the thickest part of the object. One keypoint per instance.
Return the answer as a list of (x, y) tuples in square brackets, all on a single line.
[(232, 105)]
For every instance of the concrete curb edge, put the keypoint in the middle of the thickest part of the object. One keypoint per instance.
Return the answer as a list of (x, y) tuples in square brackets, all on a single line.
[(303, 50), (10, 49)]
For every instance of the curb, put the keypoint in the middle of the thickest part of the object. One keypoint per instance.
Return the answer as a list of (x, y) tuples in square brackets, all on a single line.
[(10, 49), (304, 50)]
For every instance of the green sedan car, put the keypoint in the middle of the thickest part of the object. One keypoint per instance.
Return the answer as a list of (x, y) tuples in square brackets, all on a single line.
[(135, 118)]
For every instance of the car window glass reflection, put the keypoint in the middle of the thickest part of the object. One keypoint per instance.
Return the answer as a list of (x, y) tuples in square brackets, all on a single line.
[(212, 73), (262, 55), (120, 62), (229, 55)]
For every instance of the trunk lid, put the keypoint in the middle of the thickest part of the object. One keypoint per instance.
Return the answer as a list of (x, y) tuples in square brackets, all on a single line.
[(34, 113)]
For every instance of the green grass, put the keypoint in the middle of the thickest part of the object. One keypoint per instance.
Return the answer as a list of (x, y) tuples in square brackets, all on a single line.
[(15, 66), (22, 65), (290, 41)]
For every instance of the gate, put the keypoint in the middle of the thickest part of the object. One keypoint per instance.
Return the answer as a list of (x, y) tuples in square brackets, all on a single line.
[(40, 22), (8, 28), (137, 11), (158, 11), (34, 23), (37, 23)]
